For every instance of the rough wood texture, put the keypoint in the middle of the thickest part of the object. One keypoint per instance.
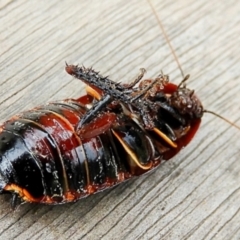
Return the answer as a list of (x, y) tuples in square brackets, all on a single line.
[(194, 195)]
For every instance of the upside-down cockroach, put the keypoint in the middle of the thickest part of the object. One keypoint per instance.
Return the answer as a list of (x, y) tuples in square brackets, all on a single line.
[(66, 150)]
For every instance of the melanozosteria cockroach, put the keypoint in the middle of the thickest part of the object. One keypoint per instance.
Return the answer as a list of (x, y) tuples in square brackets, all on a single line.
[(66, 150)]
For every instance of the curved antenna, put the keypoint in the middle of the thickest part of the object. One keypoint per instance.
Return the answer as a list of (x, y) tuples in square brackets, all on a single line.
[(185, 78), (223, 118), (166, 37)]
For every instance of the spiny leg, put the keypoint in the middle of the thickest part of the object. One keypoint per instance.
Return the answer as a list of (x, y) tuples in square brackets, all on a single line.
[(93, 78), (149, 124), (144, 91), (137, 79), (163, 78), (92, 113)]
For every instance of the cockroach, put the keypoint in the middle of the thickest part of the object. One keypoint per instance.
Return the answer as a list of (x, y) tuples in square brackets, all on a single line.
[(66, 150)]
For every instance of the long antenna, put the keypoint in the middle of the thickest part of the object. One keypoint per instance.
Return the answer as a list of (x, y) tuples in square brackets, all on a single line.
[(179, 65), (166, 37), (223, 118)]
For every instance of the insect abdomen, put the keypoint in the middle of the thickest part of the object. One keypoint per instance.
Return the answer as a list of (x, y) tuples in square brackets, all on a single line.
[(44, 160), (39, 149)]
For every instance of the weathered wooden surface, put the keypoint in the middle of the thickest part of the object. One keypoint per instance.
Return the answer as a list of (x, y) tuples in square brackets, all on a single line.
[(193, 196)]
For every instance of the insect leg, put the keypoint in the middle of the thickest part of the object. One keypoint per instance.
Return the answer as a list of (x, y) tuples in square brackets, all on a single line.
[(92, 113), (94, 92), (183, 81), (15, 201), (172, 111), (165, 137), (144, 91), (137, 79), (171, 132), (149, 123), (93, 78), (99, 125)]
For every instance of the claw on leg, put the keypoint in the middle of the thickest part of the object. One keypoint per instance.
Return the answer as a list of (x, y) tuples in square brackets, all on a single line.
[(137, 79)]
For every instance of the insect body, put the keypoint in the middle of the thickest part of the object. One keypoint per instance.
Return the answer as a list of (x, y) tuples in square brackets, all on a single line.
[(66, 150)]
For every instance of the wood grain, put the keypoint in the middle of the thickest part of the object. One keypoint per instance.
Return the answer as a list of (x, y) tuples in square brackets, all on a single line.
[(196, 194)]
